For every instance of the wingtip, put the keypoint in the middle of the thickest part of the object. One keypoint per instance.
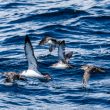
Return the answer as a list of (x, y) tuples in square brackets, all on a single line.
[(101, 70), (42, 41), (62, 42), (71, 53), (27, 39)]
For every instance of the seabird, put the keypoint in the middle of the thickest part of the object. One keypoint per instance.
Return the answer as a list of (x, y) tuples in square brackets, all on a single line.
[(53, 43), (32, 63), (63, 57), (10, 77), (88, 70)]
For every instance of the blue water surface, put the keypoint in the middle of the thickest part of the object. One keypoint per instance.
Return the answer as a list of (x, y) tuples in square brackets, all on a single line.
[(84, 24)]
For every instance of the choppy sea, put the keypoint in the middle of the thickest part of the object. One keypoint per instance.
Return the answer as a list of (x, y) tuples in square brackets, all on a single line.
[(84, 25)]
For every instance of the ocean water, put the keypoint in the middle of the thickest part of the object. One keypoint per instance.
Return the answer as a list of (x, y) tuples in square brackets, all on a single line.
[(84, 25)]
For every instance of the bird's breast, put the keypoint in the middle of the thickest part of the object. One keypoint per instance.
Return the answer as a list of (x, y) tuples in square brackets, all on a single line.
[(60, 65)]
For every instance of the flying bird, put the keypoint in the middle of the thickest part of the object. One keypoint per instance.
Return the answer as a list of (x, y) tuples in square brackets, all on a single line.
[(88, 70), (32, 70), (53, 43), (64, 58)]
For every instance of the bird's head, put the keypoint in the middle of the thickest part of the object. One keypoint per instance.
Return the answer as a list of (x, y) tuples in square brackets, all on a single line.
[(45, 40), (85, 67)]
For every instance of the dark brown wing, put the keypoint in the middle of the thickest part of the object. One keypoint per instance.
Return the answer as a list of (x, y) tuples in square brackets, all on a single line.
[(86, 77)]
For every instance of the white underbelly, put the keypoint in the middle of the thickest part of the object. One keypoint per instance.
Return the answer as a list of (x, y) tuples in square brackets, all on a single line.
[(31, 73), (59, 65), (50, 42)]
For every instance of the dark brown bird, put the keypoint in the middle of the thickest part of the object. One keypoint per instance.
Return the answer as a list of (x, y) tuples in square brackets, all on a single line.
[(10, 77), (53, 43), (88, 70)]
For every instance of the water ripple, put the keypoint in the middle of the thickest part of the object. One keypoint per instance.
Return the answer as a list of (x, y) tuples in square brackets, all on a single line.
[(85, 25)]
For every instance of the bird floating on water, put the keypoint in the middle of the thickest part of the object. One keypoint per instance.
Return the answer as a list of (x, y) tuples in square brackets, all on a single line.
[(10, 77)]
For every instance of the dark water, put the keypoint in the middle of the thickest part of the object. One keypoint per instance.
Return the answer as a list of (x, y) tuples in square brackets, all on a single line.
[(84, 24)]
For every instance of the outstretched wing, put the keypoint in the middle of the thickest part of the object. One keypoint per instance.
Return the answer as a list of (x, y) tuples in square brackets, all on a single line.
[(49, 40), (98, 69), (32, 62), (43, 41), (68, 56), (86, 77), (52, 47), (61, 51)]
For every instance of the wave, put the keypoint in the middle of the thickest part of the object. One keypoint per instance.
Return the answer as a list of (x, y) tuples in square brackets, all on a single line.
[(84, 27), (15, 5), (54, 15)]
